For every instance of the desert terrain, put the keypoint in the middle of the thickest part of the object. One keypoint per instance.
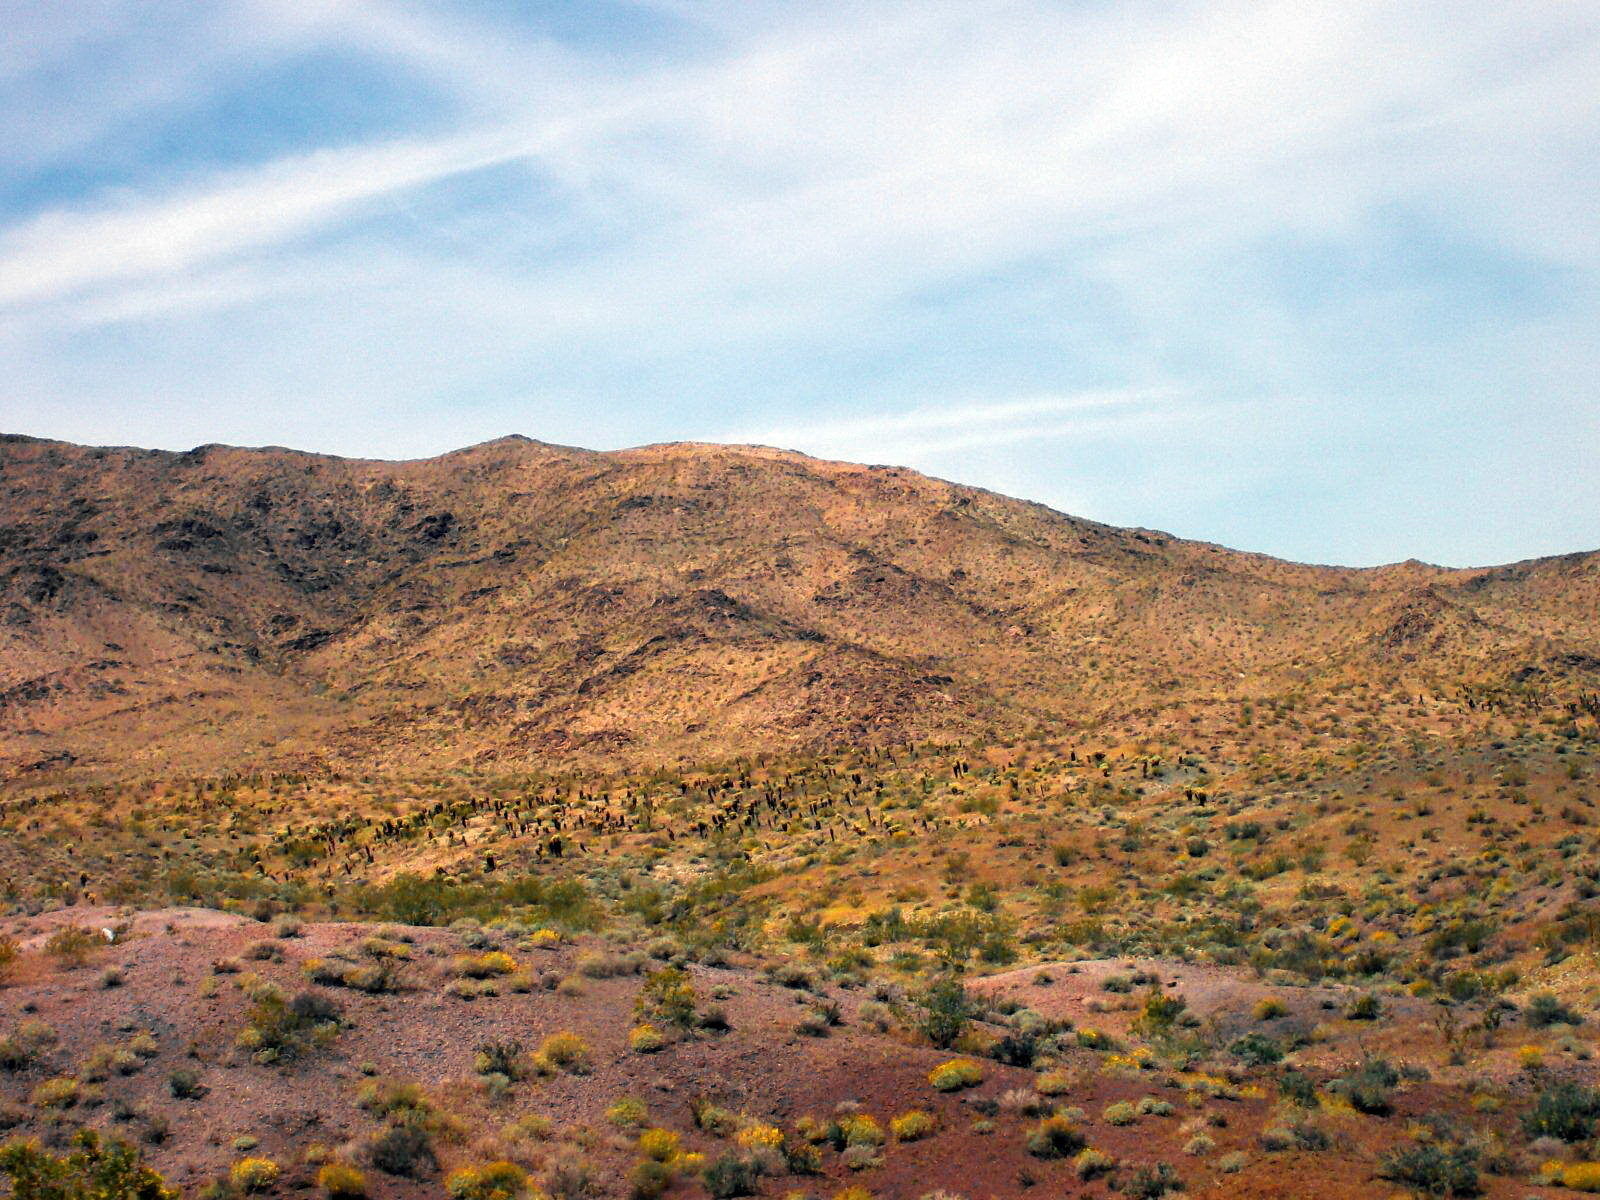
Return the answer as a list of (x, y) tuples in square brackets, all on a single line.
[(537, 821)]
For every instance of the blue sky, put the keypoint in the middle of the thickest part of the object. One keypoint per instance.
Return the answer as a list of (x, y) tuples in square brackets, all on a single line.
[(1319, 278)]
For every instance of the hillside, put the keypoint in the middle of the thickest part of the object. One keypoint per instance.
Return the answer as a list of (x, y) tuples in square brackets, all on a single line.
[(517, 604)]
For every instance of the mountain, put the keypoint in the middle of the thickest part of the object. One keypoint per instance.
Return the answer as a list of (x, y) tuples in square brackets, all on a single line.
[(522, 604)]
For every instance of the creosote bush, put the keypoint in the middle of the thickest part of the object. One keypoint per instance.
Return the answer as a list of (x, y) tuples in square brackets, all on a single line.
[(912, 1126), (1575, 1177), (945, 1011), (251, 1175), (72, 945), (667, 997), (492, 1181), (340, 1181), (645, 1039), (1092, 1163), (956, 1074), (93, 1170), (564, 1051)]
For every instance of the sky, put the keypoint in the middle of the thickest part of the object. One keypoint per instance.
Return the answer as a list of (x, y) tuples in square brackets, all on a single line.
[(1318, 278)]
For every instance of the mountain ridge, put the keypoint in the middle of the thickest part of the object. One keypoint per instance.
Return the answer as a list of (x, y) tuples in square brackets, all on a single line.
[(520, 603)]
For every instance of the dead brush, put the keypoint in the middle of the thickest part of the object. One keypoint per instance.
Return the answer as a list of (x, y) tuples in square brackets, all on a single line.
[(1024, 1102)]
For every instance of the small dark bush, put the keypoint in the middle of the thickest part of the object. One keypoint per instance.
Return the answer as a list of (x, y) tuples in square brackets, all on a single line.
[(315, 1007), (1016, 1050), (185, 1085), (802, 1158), (713, 1018), (1310, 1137), (731, 1175), (403, 1150), (1545, 1010), (1151, 1183), (1365, 1007), (1054, 1137), (1370, 1086), (1300, 1090), (501, 1057)]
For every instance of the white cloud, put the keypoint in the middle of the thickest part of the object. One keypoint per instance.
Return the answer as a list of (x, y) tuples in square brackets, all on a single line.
[(781, 206), (903, 145)]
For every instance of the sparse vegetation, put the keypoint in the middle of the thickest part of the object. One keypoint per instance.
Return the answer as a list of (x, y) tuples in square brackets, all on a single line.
[(1238, 911)]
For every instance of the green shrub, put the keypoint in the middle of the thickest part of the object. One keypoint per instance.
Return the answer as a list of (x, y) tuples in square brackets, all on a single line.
[(645, 1039), (662, 1145), (628, 1113), (1120, 1113), (1257, 1049), (23, 1048), (667, 997), (1298, 1089), (1434, 1170), (945, 1011), (500, 1057), (60, 1092), (374, 978), (650, 1178), (1159, 1011), (278, 1030), (1054, 1083), (563, 1051), (1577, 1177), (485, 966), (1091, 1164), (1566, 1111), (801, 1158)]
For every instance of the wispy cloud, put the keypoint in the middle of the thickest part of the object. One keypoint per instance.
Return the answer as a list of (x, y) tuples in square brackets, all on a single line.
[(62, 253), (1114, 222), (906, 436)]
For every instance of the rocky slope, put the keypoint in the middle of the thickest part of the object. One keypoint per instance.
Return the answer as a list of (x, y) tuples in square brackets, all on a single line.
[(518, 603)]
